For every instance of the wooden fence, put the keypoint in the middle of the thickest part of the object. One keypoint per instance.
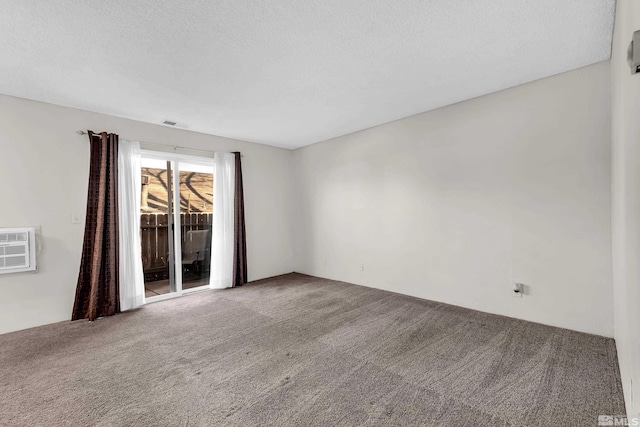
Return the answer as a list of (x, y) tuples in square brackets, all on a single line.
[(154, 232)]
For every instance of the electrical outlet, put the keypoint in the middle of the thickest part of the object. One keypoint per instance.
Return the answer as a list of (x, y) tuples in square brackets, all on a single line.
[(76, 219)]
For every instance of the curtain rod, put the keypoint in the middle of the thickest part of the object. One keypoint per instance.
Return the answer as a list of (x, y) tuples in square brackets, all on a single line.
[(175, 147)]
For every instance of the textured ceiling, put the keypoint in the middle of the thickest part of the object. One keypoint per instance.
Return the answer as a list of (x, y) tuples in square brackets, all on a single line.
[(288, 72)]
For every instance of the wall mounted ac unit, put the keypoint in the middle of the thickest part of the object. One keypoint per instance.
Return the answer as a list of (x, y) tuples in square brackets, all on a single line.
[(17, 249)]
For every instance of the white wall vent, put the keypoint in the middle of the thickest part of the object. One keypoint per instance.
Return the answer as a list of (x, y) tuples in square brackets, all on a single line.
[(17, 249)]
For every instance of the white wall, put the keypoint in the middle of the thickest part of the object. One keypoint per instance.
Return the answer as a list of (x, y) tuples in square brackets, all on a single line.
[(44, 170), (625, 126), (456, 204)]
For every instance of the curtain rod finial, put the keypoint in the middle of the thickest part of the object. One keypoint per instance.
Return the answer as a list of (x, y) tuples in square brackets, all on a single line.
[(81, 132)]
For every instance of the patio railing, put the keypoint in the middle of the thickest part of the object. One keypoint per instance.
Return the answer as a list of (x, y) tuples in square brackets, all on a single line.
[(154, 232)]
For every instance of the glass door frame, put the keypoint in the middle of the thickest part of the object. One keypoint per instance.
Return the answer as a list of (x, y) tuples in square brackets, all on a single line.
[(175, 159)]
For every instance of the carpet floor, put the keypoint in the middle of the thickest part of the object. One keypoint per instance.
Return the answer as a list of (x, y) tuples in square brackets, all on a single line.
[(295, 350)]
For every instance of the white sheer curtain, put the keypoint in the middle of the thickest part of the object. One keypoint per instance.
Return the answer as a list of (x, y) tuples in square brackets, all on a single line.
[(129, 189), (222, 230)]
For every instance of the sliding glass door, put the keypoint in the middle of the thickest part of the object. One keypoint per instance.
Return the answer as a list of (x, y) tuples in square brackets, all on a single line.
[(196, 215), (176, 213)]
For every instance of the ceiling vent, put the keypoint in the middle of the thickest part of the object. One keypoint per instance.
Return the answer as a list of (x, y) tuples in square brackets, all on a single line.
[(175, 124)]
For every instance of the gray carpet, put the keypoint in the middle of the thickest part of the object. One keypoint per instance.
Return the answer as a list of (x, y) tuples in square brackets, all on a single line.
[(300, 351)]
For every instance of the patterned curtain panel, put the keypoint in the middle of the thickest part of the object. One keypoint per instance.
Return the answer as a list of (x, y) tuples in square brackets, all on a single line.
[(239, 235), (98, 294)]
